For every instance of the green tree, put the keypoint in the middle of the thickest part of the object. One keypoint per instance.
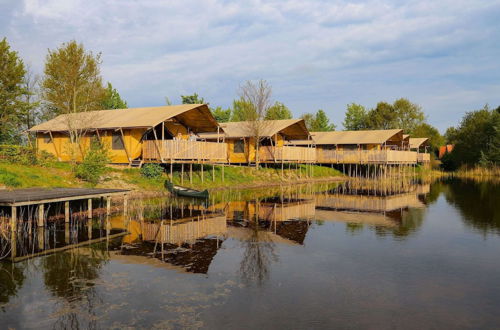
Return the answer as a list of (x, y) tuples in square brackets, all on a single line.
[(12, 91), (221, 115), (192, 99), (318, 122), (278, 111), (491, 154), (408, 115), (322, 122), (241, 110), (382, 117), (355, 117), (72, 81), (428, 131), (475, 138), (112, 99), (450, 135)]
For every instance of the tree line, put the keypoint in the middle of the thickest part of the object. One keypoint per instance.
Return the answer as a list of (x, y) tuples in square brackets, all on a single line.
[(72, 83)]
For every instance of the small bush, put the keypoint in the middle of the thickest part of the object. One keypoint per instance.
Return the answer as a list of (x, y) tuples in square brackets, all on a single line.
[(93, 165), (152, 171), (45, 158), (18, 154)]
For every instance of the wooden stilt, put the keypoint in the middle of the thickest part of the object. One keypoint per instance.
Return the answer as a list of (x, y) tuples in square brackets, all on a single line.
[(108, 205), (190, 172), (66, 212), (182, 173), (41, 215), (222, 172), (201, 172), (213, 173), (13, 219), (89, 208), (125, 206)]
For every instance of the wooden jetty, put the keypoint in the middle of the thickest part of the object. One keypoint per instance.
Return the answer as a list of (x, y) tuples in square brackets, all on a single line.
[(39, 197)]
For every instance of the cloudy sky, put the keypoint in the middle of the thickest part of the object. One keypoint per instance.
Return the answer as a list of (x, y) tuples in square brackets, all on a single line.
[(443, 55)]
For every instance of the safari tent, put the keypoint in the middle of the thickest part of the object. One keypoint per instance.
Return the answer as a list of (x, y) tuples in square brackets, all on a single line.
[(368, 146), (154, 134), (420, 145), (273, 135)]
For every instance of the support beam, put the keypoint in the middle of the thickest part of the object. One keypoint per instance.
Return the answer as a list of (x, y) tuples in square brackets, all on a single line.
[(55, 148), (66, 212), (108, 205), (89, 208), (125, 205), (124, 145), (13, 219), (41, 215)]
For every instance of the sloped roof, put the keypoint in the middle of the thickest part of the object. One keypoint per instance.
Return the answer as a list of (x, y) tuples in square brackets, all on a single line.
[(195, 116), (292, 128), (418, 142), (357, 137)]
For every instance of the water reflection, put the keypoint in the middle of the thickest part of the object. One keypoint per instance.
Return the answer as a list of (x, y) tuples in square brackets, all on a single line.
[(246, 237)]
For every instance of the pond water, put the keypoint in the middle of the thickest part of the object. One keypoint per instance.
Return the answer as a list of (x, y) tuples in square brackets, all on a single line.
[(351, 256)]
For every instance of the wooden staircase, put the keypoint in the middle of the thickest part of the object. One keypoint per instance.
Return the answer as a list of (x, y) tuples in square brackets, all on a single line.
[(135, 163)]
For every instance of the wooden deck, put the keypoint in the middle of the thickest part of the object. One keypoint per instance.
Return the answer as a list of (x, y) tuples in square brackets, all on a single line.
[(30, 196), (327, 156), (180, 150), (287, 154), (423, 157)]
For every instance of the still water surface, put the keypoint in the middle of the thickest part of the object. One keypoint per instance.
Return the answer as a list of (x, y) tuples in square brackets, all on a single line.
[(417, 257)]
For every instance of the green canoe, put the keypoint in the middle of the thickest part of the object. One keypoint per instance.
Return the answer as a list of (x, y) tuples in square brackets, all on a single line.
[(186, 192)]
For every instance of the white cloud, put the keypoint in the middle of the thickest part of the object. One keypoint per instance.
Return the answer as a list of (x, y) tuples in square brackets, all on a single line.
[(317, 54)]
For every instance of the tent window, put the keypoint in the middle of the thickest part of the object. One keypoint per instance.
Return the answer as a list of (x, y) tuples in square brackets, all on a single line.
[(117, 142), (46, 138), (239, 147)]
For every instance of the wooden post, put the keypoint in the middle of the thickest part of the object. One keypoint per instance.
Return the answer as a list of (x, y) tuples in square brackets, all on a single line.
[(66, 212), (222, 172), (66, 233), (190, 172), (41, 215), (55, 148), (13, 219), (213, 173), (89, 208), (124, 145), (125, 205), (108, 205), (182, 173), (201, 171)]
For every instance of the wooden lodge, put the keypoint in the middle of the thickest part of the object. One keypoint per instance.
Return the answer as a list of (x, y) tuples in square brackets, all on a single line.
[(154, 134), (189, 133), (273, 135), (361, 147), (420, 145)]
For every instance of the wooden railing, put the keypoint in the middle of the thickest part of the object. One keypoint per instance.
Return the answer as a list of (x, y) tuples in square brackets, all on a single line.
[(423, 157), (365, 156), (287, 154), (166, 150)]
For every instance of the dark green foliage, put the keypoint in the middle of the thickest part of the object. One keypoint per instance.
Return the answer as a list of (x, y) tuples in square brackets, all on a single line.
[(18, 154), (112, 99), (278, 111), (152, 171), (192, 99), (425, 130), (355, 117), (94, 163), (476, 140), (382, 117), (318, 122), (12, 91), (221, 115)]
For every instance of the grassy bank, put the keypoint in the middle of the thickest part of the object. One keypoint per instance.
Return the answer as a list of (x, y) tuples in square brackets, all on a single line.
[(14, 175)]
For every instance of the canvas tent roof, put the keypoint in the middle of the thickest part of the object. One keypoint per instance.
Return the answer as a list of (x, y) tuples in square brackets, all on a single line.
[(355, 137), (292, 128), (418, 142), (195, 116)]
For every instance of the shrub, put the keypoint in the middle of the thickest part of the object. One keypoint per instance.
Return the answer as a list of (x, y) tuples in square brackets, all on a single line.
[(18, 154), (152, 171), (94, 163), (45, 158)]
